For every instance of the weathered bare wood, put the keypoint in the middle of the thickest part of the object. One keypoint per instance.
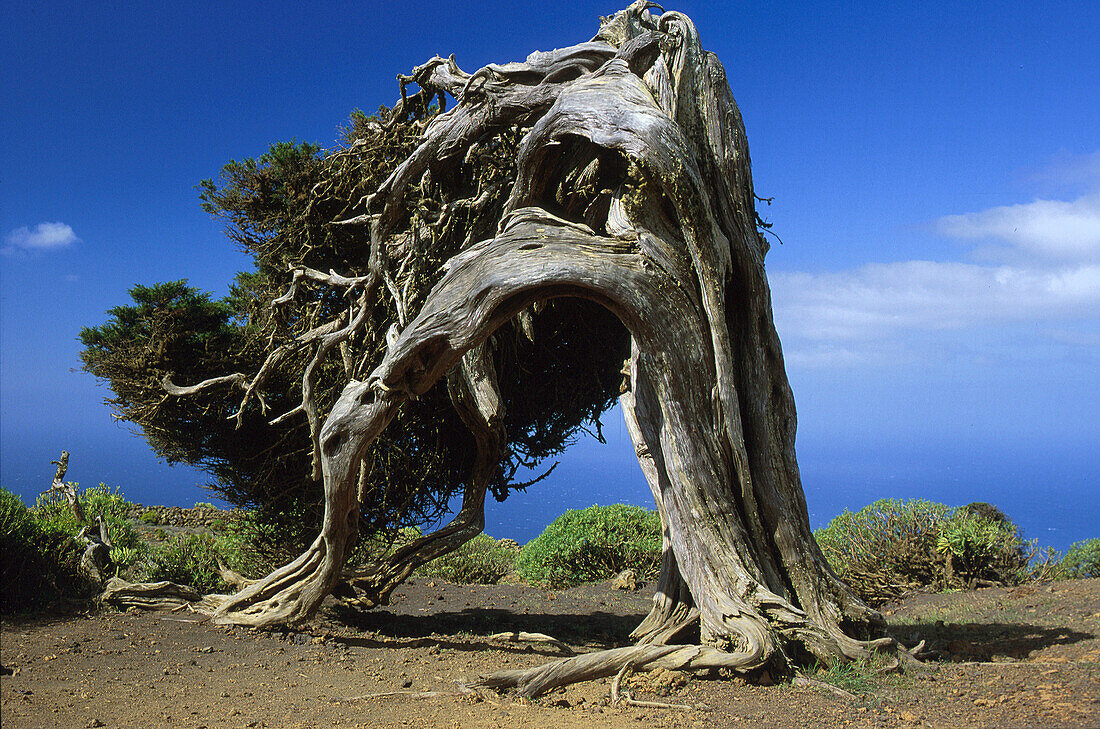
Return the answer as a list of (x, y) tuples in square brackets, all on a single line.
[(58, 485), (618, 697), (236, 380), (674, 608), (633, 190), (148, 596), (476, 396), (532, 682), (231, 577), (525, 637), (96, 560)]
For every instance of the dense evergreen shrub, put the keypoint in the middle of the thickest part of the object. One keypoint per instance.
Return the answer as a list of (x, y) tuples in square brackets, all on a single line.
[(480, 561), (1082, 560), (981, 548), (593, 544), (886, 548)]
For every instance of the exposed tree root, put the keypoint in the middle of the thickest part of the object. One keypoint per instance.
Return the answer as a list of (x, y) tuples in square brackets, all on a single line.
[(148, 596), (532, 682), (622, 697), (284, 595), (523, 637), (233, 578), (633, 190)]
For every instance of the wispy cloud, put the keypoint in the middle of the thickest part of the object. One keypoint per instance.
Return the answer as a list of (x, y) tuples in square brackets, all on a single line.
[(883, 298), (43, 237), (1053, 229), (1045, 271), (1067, 175)]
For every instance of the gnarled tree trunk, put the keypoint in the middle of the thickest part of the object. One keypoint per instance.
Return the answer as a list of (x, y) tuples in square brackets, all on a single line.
[(633, 191)]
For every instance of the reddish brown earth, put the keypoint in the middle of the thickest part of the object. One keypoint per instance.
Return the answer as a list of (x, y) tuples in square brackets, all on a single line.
[(1023, 657)]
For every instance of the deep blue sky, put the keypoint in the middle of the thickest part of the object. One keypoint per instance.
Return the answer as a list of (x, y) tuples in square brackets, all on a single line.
[(935, 169)]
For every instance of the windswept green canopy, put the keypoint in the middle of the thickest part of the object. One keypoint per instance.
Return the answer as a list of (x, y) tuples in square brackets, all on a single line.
[(301, 207)]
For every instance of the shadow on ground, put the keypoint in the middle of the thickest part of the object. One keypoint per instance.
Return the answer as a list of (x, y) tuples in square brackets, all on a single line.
[(595, 627), (959, 642)]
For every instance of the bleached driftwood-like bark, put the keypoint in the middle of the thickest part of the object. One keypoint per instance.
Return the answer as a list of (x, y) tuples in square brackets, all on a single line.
[(476, 396), (96, 560), (162, 595), (633, 191), (67, 490)]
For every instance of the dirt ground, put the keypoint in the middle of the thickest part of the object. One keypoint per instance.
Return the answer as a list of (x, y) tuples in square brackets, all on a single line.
[(1023, 657)]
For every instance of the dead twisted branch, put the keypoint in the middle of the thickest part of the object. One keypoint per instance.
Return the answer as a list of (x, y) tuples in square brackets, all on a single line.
[(629, 187)]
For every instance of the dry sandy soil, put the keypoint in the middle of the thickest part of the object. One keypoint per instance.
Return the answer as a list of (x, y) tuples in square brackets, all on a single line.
[(1023, 657)]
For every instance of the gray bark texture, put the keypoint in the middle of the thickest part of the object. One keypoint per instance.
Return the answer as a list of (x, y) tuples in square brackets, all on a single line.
[(633, 191)]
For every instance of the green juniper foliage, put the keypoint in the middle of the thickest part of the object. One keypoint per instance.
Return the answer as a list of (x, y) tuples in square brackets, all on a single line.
[(290, 208)]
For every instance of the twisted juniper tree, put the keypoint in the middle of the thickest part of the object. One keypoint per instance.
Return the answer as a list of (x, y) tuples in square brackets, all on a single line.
[(626, 195)]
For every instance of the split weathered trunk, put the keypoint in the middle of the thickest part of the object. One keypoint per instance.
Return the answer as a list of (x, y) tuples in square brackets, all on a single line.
[(633, 191), (476, 396), (67, 490)]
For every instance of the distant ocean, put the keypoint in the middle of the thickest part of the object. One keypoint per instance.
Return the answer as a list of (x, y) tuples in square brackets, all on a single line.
[(1052, 495)]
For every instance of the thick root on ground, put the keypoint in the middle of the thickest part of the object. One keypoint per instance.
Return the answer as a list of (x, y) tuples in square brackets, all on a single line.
[(288, 595), (150, 595), (532, 682)]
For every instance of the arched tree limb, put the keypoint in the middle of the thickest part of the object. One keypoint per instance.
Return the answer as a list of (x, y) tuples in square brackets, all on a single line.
[(633, 190), (476, 396), (429, 347)]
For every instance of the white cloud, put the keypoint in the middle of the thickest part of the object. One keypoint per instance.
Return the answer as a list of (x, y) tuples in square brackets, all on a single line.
[(1053, 229), (881, 299), (44, 236), (1046, 274)]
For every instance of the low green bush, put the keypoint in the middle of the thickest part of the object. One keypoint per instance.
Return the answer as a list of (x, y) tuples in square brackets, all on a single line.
[(892, 546), (978, 547), (53, 511), (593, 544), (38, 562), (1082, 560), (150, 517), (480, 561), (885, 548), (128, 558), (188, 559)]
